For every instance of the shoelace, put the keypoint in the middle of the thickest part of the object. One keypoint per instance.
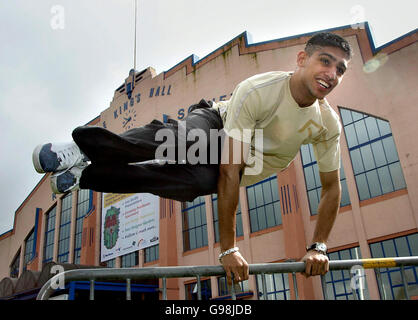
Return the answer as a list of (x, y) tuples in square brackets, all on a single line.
[(66, 155)]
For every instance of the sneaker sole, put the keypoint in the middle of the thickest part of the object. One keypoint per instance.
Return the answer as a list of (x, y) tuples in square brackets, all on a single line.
[(50, 162), (35, 159), (45, 160), (53, 183), (68, 185)]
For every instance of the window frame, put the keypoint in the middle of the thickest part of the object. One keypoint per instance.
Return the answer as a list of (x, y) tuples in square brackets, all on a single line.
[(190, 232), (239, 231), (285, 291), (82, 211), (389, 273), (313, 165), (65, 229), (49, 234), (275, 203), (358, 150), (30, 246)]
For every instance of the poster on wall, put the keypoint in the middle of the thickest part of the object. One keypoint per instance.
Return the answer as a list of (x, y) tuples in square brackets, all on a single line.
[(130, 222)]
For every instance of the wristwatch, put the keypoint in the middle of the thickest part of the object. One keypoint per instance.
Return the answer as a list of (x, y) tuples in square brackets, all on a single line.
[(318, 246)]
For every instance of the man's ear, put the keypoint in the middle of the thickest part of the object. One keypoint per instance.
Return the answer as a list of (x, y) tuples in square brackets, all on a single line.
[(301, 58)]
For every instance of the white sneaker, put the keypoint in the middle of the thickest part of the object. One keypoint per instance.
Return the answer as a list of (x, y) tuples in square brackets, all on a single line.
[(53, 157), (68, 180)]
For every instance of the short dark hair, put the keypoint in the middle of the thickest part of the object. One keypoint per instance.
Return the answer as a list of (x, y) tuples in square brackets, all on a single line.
[(328, 39)]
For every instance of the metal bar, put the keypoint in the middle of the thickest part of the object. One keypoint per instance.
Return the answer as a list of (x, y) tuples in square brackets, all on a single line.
[(405, 283), (207, 271), (324, 288), (91, 289), (199, 289), (379, 284), (233, 295), (353, 290), (164, 288), (295, 286), (263, 281), (128, 289)]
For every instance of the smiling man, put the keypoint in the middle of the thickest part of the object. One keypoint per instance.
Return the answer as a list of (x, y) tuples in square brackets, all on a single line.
[(289, 110)]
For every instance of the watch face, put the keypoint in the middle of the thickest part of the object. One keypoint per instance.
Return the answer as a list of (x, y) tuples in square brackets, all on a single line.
[(322, 247)]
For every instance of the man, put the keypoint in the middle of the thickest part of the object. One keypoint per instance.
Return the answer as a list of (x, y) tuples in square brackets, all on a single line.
[(283, 105), (288, 108)]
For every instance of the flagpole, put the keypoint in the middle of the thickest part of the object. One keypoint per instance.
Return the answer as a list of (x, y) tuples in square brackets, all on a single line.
[(135, 35)]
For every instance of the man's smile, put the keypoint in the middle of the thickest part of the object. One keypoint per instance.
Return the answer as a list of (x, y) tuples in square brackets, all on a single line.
[(323, 83)]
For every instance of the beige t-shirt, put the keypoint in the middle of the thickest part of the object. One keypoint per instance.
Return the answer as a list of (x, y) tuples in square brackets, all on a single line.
[(263, 104)]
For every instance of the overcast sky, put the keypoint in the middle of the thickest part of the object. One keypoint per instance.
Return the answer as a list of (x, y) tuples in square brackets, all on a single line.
[(61, 60)]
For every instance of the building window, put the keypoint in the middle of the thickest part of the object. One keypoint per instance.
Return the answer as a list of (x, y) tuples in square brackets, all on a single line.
[(29, 248), (373, 153), (49, 235), (264, 204), (239, 231), (109, 263), (65, 227), (224, 290), (14, 267), (152, 253), (191, 290), (195, 234), (277, 285), (130, 260), (313, 181), (391, 283), (83, 205), (338, 282)]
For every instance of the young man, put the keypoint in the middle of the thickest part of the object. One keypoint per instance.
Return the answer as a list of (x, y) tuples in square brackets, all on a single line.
[(291, 110), (287, 108)]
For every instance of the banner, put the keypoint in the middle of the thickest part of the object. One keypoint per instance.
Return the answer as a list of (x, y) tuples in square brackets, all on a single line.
[(130, 222)]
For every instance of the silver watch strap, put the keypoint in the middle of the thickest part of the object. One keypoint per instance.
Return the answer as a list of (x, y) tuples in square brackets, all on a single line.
[(229, 251)]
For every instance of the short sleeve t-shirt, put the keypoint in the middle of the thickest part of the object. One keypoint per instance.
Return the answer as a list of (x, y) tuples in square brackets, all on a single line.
[(262, 108)]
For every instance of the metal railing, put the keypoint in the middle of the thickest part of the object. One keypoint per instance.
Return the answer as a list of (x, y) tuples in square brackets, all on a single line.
[(129, 274)]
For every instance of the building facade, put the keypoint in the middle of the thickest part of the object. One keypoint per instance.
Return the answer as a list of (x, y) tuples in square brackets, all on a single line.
[(276, 217)]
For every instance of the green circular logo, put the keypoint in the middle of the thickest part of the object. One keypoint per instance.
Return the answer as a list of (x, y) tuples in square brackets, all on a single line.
[(111, 227)]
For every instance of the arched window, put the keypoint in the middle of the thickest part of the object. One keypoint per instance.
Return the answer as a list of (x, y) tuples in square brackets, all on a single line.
[(373, 154)]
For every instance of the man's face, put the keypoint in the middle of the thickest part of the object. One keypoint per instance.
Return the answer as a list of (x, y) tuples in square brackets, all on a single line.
[(323, 70)]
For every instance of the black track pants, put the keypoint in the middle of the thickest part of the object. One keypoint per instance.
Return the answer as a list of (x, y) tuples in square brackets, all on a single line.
[(111, 156)]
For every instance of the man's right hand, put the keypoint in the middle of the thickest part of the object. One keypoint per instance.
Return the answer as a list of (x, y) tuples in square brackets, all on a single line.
[(235, 264)]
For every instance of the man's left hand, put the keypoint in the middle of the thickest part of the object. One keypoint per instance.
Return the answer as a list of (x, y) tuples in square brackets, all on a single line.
[(316, 264)]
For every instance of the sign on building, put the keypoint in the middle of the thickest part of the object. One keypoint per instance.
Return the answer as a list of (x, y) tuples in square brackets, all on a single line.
[(130, 222)]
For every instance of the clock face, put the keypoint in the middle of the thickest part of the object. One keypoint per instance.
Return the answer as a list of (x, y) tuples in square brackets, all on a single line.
[(129, 119)]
